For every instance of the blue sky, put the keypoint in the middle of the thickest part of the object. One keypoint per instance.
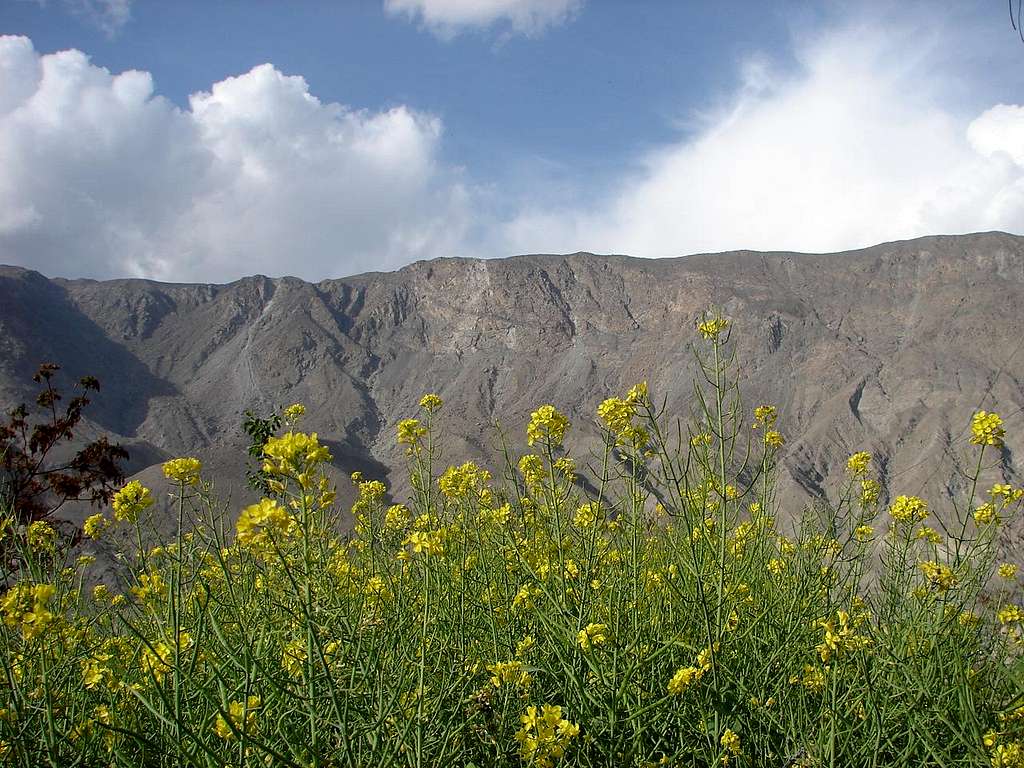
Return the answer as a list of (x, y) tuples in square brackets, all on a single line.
[(387, 131)]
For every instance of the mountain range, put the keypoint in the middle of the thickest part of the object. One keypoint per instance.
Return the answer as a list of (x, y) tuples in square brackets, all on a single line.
[(888, 349)]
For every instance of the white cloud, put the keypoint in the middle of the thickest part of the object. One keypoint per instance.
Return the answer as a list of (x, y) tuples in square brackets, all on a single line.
[(861, 145), (446, 18), (109, 15), (101, 177)]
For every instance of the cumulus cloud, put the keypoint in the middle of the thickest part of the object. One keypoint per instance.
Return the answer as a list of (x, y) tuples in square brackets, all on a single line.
[(446, 18), (861, 144), (100, 176)]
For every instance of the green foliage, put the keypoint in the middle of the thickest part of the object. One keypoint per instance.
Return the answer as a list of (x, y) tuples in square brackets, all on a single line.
[(666, 618)]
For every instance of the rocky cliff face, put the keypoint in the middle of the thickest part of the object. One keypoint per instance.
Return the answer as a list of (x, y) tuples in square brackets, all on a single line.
[(888, 349)]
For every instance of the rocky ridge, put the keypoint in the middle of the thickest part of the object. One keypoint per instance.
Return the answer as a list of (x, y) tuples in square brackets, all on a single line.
[(888, 349)]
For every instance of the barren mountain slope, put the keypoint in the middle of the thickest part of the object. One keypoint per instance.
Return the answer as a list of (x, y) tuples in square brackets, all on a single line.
[(888, 349)]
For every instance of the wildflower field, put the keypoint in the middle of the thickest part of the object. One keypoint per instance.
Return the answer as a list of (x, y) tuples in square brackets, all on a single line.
[(661, 617)]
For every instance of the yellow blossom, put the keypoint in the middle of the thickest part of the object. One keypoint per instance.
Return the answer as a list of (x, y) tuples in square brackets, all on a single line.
[(908, 509), (294, 412), (939, 575), (431, 403), (263, 524), (94, 525), (41, 535), (985, 514), (987, 429), (242, 716), (712, 328), (544, 736), (509, 673), (1007, 571), (591, 635), (731, 742), (410, 432), (858, 463), (183, 470), (546, 424), (294, 454)]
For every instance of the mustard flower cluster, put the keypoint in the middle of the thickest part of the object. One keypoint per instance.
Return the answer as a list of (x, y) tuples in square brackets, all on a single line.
[(183, 470), (545, 736), (592, 635), (462, 481), (27, 607), (546, 424), (939, 576), (857, 465), (684, 677), (411, 432), (293, 413), (431, 403), (712, 328), (264, 525), (241, 718), (730, 742), (908, 509), (513, 673), (293, 454), (132, 500), (840, 637), (618, 415), (41, 536), (987, 429)]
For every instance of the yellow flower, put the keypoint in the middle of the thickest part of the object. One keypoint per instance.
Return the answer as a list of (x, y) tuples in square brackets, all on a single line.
[(132, 500), (431, 403), (1007, 571), (986, 514), (532, 468), (509, 673), (293, 413), (929, 534), (426, 542), (410, 432), (813, 678), (683, 679), (27, 606), (712, 328), (242, 715), (858, 463), (638, 394), (700, 439), (591, 635), (731, 742), (588, 514), (939, 575), (773, 439), (1010, 614), (94, 525), (870, 490), (863, 532), (546, 423), (459, 482), (765, 414), (294, 454), (525, 645), (987, 429), (40, 535), (776, 565), (150, 585), (908, 509), (183, 470), (545, 736), (263, 523)]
